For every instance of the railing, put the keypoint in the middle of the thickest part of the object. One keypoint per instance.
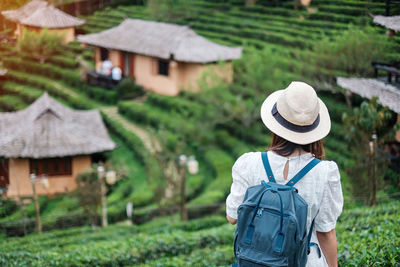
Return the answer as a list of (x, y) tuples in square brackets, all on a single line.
[(391, 70), (389, 3), (98, 79)]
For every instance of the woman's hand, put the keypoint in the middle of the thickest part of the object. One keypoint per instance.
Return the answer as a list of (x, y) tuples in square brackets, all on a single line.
[(231, 220), (328, 244)]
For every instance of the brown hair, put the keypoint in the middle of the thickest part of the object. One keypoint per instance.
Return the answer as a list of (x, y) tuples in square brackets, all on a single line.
[(285, 148)]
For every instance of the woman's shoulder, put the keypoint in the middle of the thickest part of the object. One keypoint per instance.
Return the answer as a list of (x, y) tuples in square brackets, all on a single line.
[(246, 160), (248, 157), (329, 164), (330, 168)]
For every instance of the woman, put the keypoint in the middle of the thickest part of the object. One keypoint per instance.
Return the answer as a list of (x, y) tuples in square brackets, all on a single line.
[(298, 120)]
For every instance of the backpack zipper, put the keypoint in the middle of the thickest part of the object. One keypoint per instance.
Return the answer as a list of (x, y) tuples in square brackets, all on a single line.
[(261, 209), (240, 256)]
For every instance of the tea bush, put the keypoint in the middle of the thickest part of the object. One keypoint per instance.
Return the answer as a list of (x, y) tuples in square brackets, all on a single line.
[(366, 237), (219, 188)]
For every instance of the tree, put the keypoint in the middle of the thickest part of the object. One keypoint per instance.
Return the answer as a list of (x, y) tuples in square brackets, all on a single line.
[(41, 45), (88, 193), (353, 50), (368, 128), (9, 5)]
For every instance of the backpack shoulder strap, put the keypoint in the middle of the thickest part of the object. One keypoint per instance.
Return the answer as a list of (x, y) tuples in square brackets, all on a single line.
[(303, 172), (310, 244), (267, 167)]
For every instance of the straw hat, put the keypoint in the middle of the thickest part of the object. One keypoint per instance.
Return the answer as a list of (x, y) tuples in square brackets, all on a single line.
[(296, 114)]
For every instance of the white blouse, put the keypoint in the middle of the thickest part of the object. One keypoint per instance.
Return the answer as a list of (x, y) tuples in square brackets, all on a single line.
[(320, 188)]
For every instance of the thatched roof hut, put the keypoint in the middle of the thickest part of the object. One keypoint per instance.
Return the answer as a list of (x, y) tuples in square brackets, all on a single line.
[(38, 13), (49, 129), (161, 40), (387, 94), (390, 22)]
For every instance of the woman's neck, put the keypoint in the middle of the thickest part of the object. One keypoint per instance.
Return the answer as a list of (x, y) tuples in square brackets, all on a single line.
[(296, 152)]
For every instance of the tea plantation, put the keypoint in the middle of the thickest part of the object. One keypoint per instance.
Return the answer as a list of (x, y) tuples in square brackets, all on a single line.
[(366, 237), (280, 44)]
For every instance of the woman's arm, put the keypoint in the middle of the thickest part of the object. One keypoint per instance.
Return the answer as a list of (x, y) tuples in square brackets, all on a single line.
[(328, 244), (231, 220)]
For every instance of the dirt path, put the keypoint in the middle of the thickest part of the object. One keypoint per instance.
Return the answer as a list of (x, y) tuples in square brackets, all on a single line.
[(64, 89), (150, 142)]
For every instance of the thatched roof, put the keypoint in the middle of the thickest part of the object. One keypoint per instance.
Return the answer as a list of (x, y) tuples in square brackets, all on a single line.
[(392, 22), (48, 129), (388, 94), (39, 13), (162, 40)]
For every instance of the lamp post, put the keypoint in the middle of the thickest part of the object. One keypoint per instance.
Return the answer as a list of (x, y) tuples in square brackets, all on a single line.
[(34, 180), (110, 178), (193, 167)]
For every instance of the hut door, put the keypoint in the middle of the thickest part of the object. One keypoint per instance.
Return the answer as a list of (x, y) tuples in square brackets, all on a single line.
[(128, 65), (4, 179), (132, 66)]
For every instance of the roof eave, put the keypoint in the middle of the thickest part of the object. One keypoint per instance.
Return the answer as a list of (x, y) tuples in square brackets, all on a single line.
[(60, 155)]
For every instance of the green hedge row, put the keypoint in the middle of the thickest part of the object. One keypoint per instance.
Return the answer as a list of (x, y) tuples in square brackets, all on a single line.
[(149, 115), (153, 169), (43, 83), (232, 145), (337, 16), (366, 237), (179, 105), (64, 61), (266, 36), (86, 234), (64, 221), (71, 77), (306, 23), (218, 189), (216, 256), (275, 26), (326, 16), (101, 94), (369, 236), (12, 102), (350, 10), (75, 47), (28, 93), (350, 3), (130, 250)]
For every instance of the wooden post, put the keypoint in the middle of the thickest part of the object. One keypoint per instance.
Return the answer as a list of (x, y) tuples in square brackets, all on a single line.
[(100, 172), (184, 214), (23, 215), (374, 169), (37, 207)]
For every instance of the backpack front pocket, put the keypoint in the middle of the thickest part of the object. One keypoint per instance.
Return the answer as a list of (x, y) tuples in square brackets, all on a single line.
[(269, 235)]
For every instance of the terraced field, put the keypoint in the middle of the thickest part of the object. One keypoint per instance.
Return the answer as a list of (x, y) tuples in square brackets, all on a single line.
[(366, 237), (281, 36)]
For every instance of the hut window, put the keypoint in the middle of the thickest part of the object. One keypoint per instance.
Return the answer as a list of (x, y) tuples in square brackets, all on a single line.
[(163, 66), (51, 167), (103, 53)]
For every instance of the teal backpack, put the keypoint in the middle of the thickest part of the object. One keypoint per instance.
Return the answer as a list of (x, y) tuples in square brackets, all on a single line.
[(271, 226)]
